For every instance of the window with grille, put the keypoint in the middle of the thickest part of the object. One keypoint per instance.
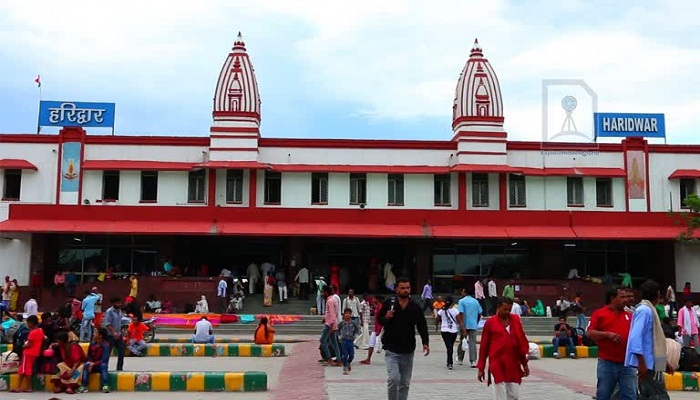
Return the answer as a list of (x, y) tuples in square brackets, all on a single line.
[(516, 190), (149, 186), (603, 192), (688, 187), (319, 188), (395, 189), (13, 184), (358, 188), (442, 190), (480, 190), (273, 187), (110, 185), (234, 186), (574, 191), (197, 186)]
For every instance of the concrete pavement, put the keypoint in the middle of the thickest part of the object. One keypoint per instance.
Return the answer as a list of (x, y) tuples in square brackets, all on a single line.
[(298, 376)]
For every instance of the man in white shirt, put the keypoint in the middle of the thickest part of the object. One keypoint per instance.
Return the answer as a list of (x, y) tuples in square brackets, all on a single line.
[(31, 307), (515, 309), (221, 293), (203, 332), (353, 303), (303, 279), (493, 295)]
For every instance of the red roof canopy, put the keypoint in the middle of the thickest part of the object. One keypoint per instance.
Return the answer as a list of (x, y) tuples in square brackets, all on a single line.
[(10, 163), (685, 173), (137, 165)]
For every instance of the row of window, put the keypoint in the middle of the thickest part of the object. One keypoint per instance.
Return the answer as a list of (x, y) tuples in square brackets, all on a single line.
[(196, 188)]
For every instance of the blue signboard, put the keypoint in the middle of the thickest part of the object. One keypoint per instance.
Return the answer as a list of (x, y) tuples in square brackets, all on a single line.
[(630, 125), (73, 113)]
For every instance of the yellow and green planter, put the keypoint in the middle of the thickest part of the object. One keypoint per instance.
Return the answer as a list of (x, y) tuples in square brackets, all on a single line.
[(126, 381), (206, 350)]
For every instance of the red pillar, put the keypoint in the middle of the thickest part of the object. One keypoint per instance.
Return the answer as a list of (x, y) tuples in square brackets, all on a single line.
[(462, 187), (211, 197), (503, 191), (252, 188)]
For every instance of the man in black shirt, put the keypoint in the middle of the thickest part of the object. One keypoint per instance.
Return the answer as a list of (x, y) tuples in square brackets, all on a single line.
[(400, 318), (564, 335)]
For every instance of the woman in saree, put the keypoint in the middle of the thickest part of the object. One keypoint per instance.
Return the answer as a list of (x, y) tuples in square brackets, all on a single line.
[(264, 333), (14, 294), (70, 369), (269, 290)]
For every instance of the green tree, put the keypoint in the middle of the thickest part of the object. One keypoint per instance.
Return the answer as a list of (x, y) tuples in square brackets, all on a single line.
[(690, 220)]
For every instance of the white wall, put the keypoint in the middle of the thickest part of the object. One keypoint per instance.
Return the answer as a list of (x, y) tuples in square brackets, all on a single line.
[(16, 252), (296, 191), (665, 193), (37, 186), (277, 155), (555, 159), (687, 262), (549, 193), (146, 153)]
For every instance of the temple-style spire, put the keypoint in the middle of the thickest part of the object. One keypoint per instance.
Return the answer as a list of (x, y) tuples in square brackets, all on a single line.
[(478, 94), (236, 92)]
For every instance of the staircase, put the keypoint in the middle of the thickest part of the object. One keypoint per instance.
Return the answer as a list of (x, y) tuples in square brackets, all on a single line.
[(312, 324)]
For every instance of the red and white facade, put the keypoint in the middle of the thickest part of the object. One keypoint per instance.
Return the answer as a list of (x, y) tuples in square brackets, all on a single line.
[(235, 182)]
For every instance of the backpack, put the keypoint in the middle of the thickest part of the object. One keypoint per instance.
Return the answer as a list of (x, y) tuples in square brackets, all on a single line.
[(20, 336), (689, 361)]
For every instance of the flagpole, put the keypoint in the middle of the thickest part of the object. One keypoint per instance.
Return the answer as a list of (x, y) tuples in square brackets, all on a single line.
[(38, 120)]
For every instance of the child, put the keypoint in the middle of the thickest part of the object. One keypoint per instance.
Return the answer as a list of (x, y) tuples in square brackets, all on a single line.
[(30, 352), (348, 329)]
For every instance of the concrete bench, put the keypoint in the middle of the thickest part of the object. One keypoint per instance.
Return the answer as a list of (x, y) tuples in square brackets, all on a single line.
[(128, 381), (208, 350), (683, 381), (224, 340), (547, 351)]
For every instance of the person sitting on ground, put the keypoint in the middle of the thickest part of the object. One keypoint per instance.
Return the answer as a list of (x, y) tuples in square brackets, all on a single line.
[(202, 306), (203, 331), (264, 333), (97, 361), (153, 305), (137, 346), (563, 336), (70, 369)]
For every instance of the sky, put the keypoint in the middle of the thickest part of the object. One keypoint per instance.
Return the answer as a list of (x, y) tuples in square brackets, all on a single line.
[(361, 69)]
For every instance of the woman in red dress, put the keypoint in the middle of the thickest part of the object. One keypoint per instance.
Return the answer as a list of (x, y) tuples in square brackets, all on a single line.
[(335, 278), (504, 343)]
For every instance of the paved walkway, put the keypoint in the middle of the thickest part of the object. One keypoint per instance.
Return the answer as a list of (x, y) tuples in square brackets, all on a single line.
[(300, 377)]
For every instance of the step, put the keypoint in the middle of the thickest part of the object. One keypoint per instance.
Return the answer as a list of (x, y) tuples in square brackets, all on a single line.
[(123, 381)]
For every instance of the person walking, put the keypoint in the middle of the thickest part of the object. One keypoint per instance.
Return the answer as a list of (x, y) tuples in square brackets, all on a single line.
[(469, 314), (505, 346), (320, 300), (689, 324), (479, 293), (493, 295), (362, 341), (303, 278), (86, 324), (330, 326), (449, 327), (375, 338), (221, 290), (671, 300), (401, 317), (113, 322), (646, 347), (353, 303), (348, 329), (427, 296), (609, 328)]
